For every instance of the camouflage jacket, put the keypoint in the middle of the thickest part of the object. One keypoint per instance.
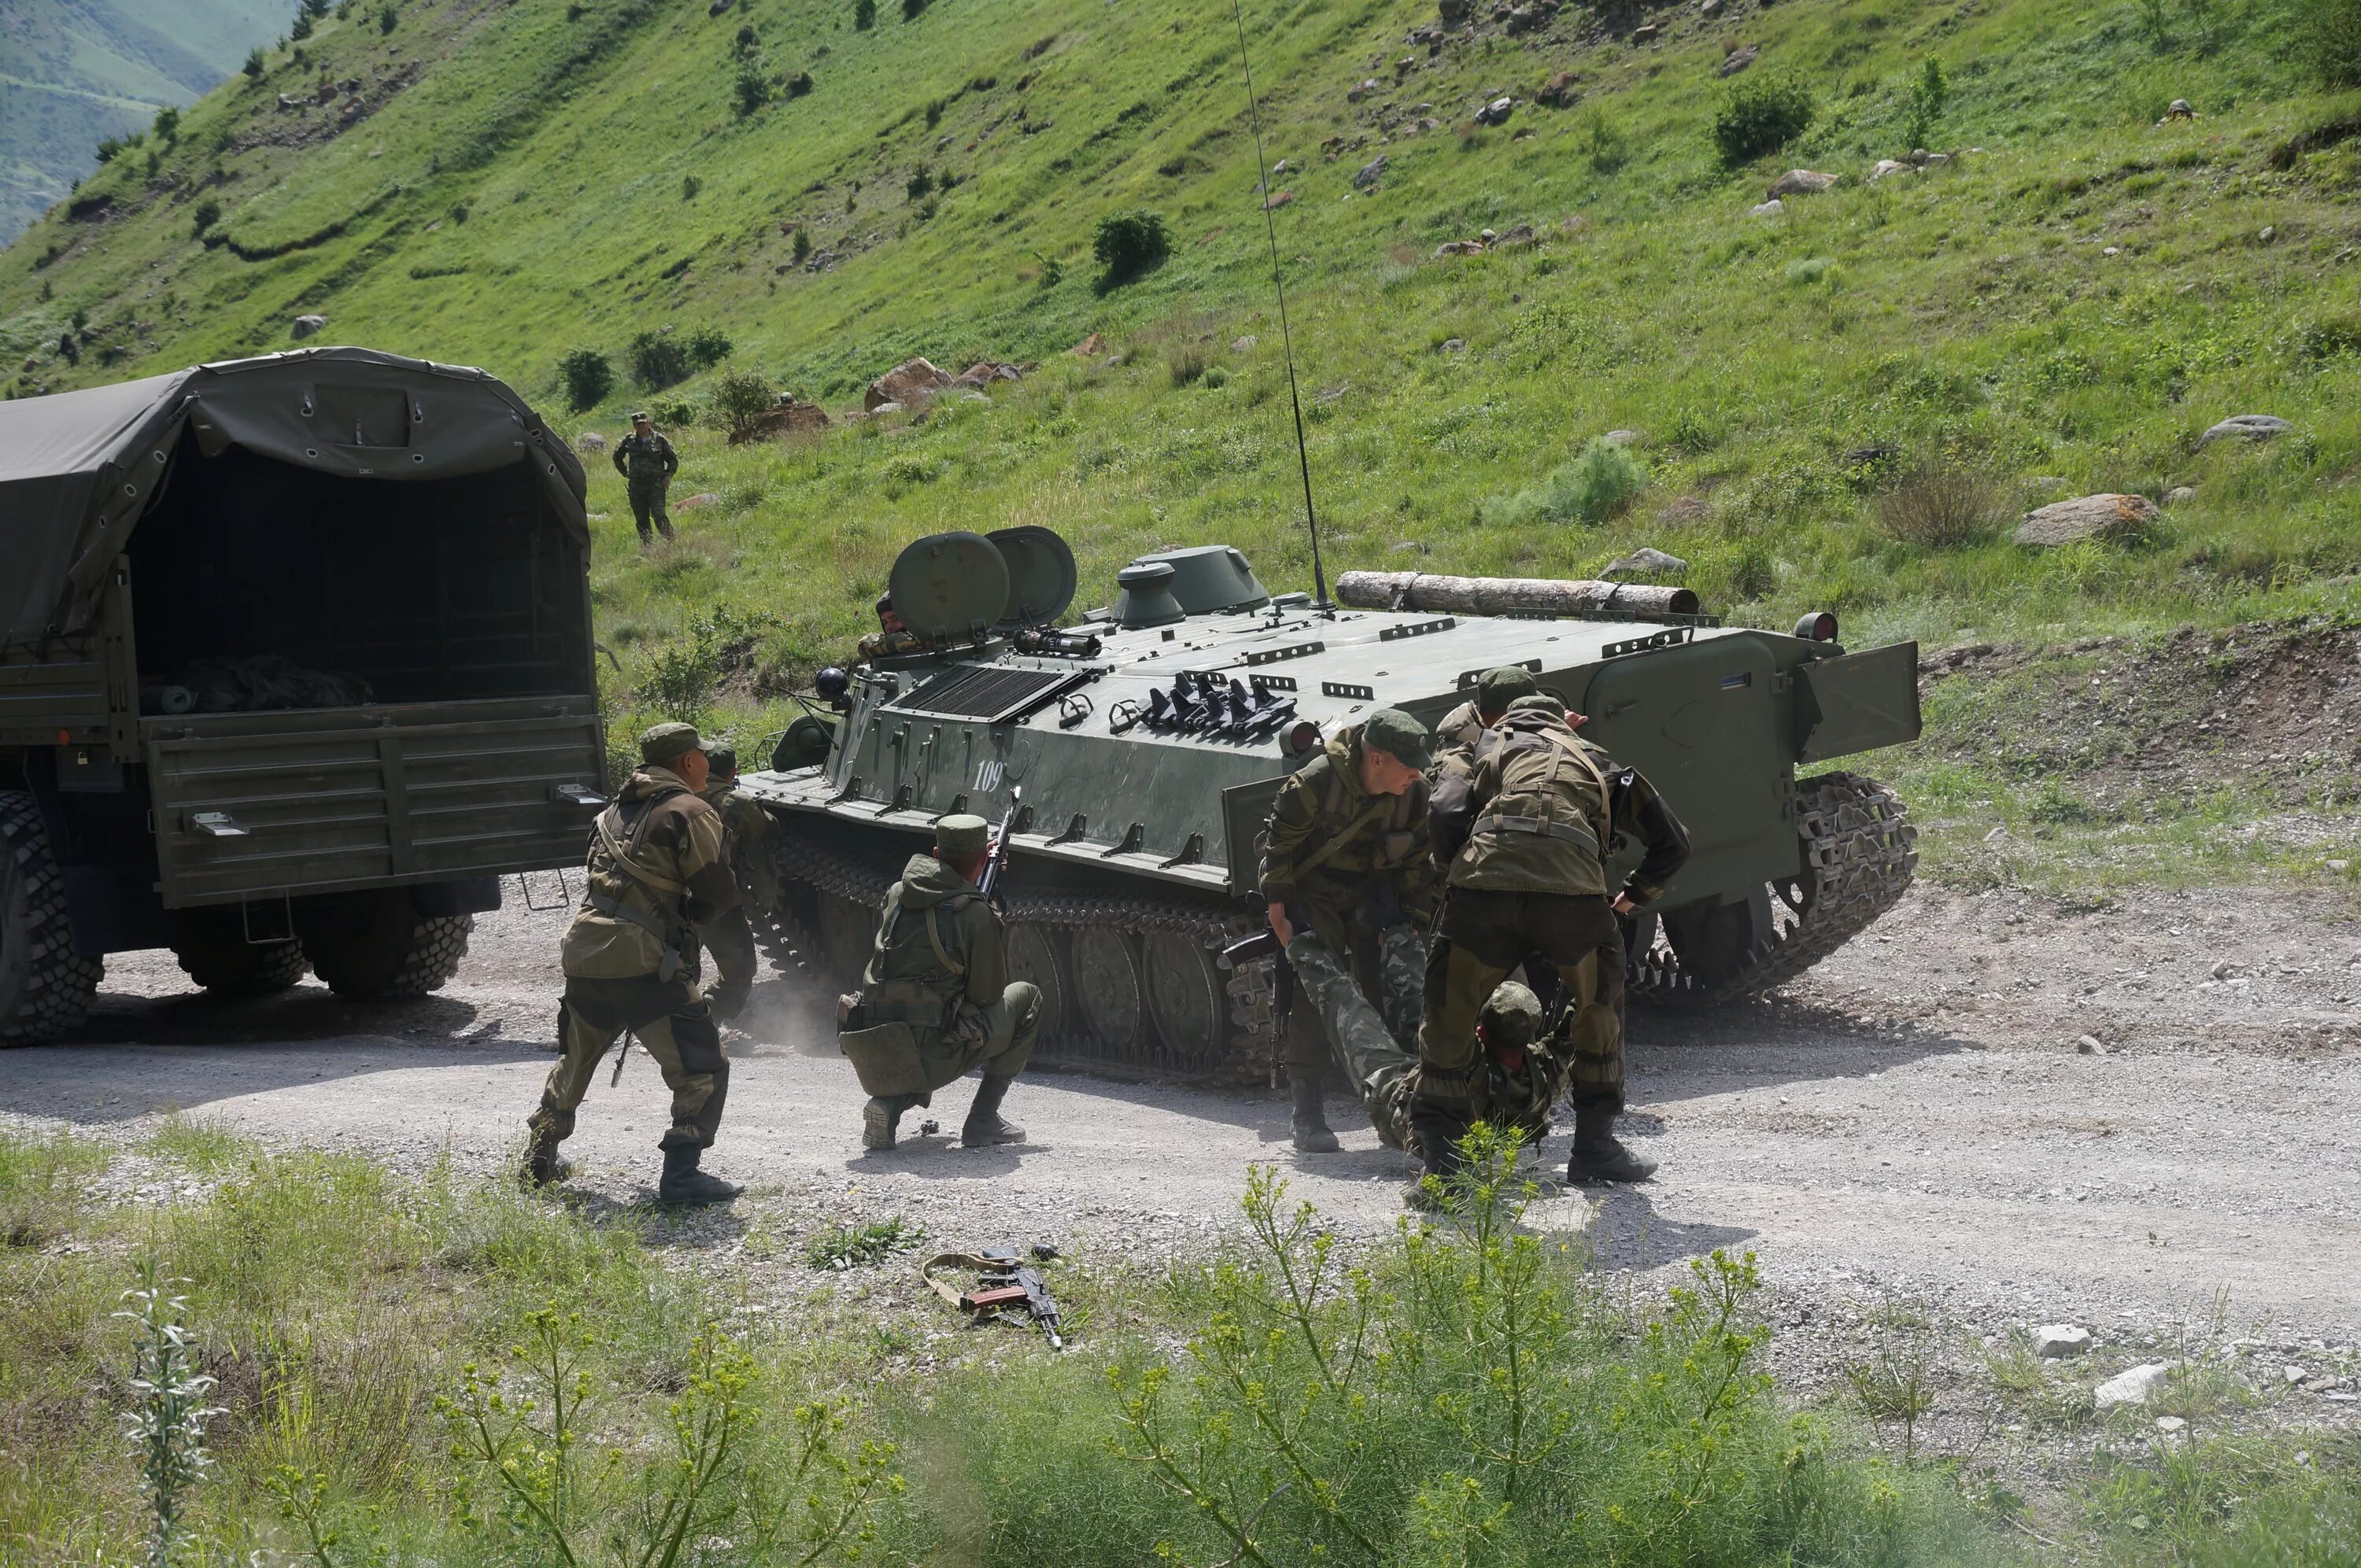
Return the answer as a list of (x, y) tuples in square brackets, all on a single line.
[(655, 868), (1544, 811), (641, 460), (1459, 727), (1329, 845), (939, 955)]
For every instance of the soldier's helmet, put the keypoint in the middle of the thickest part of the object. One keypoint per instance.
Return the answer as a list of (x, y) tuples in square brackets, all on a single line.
[(1512, 1018)]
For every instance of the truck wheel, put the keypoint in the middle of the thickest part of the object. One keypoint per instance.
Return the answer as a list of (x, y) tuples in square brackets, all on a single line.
[(212, 946), (368, 946), (45, 985)]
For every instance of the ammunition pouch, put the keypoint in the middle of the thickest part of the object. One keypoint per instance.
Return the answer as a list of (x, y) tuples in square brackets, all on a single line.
[(906, 1002), (885, 1057)]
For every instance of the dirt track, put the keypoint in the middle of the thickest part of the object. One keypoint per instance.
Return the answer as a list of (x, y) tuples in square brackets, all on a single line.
[(1917, 1117)]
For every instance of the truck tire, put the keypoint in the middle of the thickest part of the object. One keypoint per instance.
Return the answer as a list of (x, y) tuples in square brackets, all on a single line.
[(213, 949), (45, 986), (374, 946)]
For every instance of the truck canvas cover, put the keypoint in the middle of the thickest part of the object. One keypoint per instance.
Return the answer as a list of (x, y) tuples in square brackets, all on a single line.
[(78, 470)]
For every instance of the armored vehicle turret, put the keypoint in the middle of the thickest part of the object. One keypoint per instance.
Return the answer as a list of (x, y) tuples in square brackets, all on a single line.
[(1150, 739)]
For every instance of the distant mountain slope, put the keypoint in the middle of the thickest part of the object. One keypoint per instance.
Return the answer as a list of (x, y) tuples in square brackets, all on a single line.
[(74, 71)]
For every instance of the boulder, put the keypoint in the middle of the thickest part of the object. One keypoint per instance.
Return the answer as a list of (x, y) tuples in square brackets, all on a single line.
[(590, 441), (2179, 110), (1646, 561), (1451, 345), (1645, 33), (1622, 438), (2131, 1387), (1739, 58), (1459, 248), (2180, 495), (910, 383), (1516, 234), (1886, 165), (2246, 427), (304, 326), (1277, 200), (1559, 92), (1770, 209), (1451, 10), (983, 372), (702, 498), (2100, 517), (1090, 347), (2056, 1342), (1367, 88), (1366, 178), (1801, 182), (1497, 112), (1244, 345)]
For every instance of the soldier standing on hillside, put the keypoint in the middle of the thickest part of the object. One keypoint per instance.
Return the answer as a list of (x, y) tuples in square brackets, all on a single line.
[(1344, 867), (655, 869), (936, 999), (1530, 882), (727, 936), (647, 462)]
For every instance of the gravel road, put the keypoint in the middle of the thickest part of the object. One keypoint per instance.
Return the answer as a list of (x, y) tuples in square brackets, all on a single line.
[(2017, 1113)]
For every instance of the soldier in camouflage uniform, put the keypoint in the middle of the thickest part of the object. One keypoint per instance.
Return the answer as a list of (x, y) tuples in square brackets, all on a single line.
[(728, 936), (1344, 865), (891, 637), (655, 871), (647, 462), (1528, 846), (1495, 690), (1522, 1075), (936, 999)]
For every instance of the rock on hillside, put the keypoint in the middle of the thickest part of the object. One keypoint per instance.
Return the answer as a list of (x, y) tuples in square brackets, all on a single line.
[(2086, 517)]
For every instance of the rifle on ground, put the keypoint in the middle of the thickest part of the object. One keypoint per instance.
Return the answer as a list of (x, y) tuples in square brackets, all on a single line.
[(988, 884), (1004, 1284), (1248, 949)]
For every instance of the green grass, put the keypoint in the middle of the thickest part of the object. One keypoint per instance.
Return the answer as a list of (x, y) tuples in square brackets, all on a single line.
[(1966, 316), (206, 1147)]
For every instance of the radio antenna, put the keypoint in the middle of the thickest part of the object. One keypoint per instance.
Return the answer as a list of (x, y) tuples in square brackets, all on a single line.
[(1286, 339)]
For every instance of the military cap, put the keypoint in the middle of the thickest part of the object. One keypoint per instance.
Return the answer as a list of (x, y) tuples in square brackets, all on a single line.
[(640, 416), (1538, 702), (962, 834), (1392, 729), (666, 741), (1513, 1017), (884, 601), (724, 760), (1496, 689)]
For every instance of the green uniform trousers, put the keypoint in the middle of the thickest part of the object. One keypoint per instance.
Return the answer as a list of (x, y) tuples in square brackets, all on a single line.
[(648, 506), (671, 1021), (1375, 1056), (1387, 967), (1483, 936), (997, 1038)]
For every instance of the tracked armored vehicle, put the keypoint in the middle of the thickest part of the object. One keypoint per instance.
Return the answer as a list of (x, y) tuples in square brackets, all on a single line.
[(1149, 742)]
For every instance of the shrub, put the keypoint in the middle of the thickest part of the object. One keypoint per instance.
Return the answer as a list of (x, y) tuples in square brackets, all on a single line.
[(1927, 95), (167, 123), (910, 9), (1601, 483), (207, 215), (689, 186), (864, 15), (1187, 362), (1128, 244), (2329, 34), (1216, 377), (385, 17), (802, 247), (1601, 141), (300, 27), (709, 346), (1762, 117), (588, 377), (255, 64), (1939, 505), (920, 183), (740, 397), (658, 360), (753, 87)]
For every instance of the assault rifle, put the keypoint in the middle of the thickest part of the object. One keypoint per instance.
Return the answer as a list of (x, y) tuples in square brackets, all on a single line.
[(1004, 1284), (988, 884), (1265, 944)]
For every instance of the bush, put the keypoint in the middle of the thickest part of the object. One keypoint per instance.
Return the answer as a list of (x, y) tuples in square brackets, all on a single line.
[(255, 64), (658, 360), (2329, 34), (207, 215), (300, 28), (910, 9), (740, 397), (864, 15), (1928, 93), (1939, 505), (1601, 483), (802, 247), (588, 377), (167, 123), (385, 17), (1128, 244), (753, 87), (709, 346), (1762, 117), (919, 183), (1187, 362), (689, 186)]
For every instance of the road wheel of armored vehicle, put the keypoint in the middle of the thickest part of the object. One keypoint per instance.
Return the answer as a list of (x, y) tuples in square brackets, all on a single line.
[(1033, 956), (1188, 999), (45, 986), (213, 949), (1858, 852), (373, 945), (847, 934), (1108, 1000)]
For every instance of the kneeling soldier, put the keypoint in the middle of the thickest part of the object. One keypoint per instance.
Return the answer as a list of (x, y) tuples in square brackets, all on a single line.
[(1548, 811), (936, 999), (655, 871)]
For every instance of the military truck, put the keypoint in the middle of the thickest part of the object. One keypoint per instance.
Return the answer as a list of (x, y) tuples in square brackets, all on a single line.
[(1148, 742), (295, 662)]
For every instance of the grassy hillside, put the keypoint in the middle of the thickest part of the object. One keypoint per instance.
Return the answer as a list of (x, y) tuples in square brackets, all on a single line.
[(2064, 307), (73, 73)]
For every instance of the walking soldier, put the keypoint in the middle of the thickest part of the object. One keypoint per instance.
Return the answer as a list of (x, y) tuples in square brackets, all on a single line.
[(647, 462), (655, 870), (1345, 865), (936, 999), (1545, 812)]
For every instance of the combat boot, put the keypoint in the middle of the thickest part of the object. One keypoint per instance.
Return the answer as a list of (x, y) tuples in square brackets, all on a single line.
[(686, 1184), (984, 1125), (1598, 1155), (1313, 1135), (541, 1165), (879, 1118)]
